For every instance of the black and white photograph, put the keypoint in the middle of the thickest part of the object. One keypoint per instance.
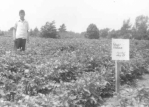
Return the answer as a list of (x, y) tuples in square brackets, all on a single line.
[(74, 53)]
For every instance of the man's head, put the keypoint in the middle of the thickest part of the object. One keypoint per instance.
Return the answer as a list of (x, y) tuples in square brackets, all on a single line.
[(22, 14)]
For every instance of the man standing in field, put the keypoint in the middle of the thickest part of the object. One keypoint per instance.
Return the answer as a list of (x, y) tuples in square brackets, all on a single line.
[(21, 32)]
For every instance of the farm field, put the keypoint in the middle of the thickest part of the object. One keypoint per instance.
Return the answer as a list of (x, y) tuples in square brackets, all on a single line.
[(70, 73)]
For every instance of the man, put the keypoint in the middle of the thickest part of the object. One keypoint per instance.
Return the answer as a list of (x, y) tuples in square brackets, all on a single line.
[(21, 32)]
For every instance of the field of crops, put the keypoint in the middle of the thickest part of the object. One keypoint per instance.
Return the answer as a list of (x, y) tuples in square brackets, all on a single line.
[(65, 72)]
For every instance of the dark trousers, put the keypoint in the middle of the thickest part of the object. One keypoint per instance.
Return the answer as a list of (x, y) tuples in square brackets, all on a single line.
[(20, 44)]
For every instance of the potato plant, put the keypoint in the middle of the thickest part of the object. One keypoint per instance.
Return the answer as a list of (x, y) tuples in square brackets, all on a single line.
[(65, 73)]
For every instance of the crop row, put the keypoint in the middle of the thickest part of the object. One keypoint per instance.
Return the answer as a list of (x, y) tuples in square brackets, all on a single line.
[(61, 73)]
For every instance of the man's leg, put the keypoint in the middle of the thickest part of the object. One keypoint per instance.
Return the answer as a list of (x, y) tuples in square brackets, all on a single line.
[(18, 43), (23, 43), (15, 45)]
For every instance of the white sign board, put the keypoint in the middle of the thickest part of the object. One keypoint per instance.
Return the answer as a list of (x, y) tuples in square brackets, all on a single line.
[(120, 49)]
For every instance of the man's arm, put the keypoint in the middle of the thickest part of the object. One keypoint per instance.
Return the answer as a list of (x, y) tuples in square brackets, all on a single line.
[(28, 36), (28, 32)]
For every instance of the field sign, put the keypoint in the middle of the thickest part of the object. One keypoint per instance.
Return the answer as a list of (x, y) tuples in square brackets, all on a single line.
[(120, 49)]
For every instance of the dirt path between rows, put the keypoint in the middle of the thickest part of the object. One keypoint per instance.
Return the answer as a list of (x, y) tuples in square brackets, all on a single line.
[(142, 82)]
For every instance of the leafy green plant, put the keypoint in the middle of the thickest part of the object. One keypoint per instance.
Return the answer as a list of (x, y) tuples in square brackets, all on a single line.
[(64, 73)]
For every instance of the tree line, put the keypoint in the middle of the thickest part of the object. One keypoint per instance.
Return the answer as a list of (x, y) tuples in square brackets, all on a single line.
[(48, 30), (140, 30)]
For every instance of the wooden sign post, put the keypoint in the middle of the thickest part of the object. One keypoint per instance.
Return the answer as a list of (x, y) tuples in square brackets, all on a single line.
[(117, 76), (120, 51)]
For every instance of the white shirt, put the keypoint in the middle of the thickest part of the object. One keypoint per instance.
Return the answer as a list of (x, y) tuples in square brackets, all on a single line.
[(22, 28)]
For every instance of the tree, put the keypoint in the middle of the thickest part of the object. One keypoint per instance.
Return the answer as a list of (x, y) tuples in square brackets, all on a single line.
[(1, 33), (114, 34), (83, 34), (62, 28), (9, 32), (140, 29), (31, 32), (11, 29), (104, 32), (92, 32), (126, 27), (49, 30), (36, 32)]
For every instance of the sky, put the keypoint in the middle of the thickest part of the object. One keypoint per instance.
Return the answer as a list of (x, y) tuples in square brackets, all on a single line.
[(75, 14)]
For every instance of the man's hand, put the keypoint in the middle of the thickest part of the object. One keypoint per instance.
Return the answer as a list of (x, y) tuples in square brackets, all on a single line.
[(14, 34), (27, 36)]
